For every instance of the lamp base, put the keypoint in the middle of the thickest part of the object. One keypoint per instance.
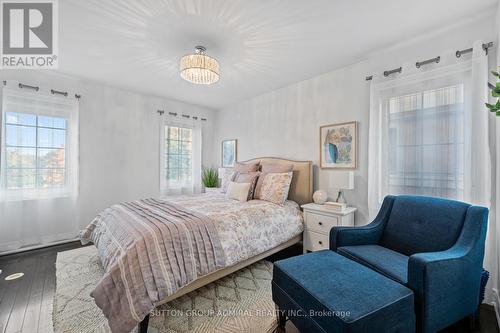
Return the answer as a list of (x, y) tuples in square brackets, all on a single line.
[(341, 198)]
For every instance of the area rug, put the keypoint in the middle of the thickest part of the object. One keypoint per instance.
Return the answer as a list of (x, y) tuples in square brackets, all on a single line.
[(240, 302)]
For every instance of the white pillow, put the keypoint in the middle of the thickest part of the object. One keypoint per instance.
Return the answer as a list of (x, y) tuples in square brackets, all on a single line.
[(228, 176), (238, 191)]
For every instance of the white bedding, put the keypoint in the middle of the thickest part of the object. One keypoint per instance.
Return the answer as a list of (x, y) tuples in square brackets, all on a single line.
[(247, 228)]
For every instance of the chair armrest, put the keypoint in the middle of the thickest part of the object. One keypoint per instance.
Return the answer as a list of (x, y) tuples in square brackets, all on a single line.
[(446, 287), (426, 269), (369, 234), (346, 236), (447, 283)]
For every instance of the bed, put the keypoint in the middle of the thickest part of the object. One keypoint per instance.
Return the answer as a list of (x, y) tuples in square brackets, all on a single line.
[(156, 250)]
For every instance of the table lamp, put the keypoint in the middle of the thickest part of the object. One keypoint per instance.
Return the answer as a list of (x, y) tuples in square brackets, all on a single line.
[(342, 180)]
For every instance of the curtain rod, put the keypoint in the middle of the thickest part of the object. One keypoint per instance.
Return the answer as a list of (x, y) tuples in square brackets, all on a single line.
[(436, 60), (392, 71), (37, 88), (419, 64), (187, 116)]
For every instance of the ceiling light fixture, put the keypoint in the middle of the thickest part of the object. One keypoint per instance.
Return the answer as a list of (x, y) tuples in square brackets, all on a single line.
[(199, 68)]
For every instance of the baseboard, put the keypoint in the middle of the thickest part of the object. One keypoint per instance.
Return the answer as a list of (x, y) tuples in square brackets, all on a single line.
[(16, 247), (496, 305)]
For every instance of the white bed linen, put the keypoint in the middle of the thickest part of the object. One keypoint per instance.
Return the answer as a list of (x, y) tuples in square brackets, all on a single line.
[(247, 228)]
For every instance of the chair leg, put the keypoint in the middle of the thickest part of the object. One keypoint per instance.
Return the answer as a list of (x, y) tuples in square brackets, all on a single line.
[(281, 321), (471, 320), (143, 325)]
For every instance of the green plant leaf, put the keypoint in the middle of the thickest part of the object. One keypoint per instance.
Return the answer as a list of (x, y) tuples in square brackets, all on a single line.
[(209, 177), (498, 84), (495, 73), (490, 106), (491, 86), (498, 113), (495, 94)]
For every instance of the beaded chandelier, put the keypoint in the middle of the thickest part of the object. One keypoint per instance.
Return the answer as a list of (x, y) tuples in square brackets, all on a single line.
[(199, 68)]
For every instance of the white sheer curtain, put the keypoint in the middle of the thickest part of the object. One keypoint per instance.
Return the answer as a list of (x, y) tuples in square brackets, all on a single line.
[(429, 135), (171, 185), (39, 146)]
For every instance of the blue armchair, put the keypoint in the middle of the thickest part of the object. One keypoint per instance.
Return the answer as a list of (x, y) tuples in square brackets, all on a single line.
[(433, 246)]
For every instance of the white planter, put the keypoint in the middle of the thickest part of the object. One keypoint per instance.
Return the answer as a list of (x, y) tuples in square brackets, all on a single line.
[(211, 189)]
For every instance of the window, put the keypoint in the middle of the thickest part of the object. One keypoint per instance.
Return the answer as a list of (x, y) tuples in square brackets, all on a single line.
[(178, 154), (39, 146), (180, 157), (34, 151), (428, 132), (425, 142)]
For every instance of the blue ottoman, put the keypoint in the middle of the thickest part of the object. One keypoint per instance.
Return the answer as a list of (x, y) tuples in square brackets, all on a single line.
[(325, 292)]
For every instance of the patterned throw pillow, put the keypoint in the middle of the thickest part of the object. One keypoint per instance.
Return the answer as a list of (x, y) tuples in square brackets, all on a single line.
[(248, 177), (270, 168), (275, 187), (227, 177)]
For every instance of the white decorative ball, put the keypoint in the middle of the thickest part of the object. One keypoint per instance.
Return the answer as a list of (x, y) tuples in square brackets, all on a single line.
[(320, 197)]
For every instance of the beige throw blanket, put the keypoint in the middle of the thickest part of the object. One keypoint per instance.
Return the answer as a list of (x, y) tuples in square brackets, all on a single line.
[(149, 249)]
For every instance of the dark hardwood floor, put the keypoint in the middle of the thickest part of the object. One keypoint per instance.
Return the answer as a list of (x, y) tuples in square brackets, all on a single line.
[(26, 303)]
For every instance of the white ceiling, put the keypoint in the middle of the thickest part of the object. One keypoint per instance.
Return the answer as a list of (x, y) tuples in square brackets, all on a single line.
[(261, 44)]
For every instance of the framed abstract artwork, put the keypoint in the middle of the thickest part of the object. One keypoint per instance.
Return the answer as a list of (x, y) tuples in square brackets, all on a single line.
[(229, 152), (338, 146)]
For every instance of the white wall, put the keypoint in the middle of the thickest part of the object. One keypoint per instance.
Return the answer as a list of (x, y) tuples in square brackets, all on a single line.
[(493, 240), (285, 122), (119, 159)]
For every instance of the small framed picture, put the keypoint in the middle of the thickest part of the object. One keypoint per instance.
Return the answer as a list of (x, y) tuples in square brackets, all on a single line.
[(229, 153), (338, 146)]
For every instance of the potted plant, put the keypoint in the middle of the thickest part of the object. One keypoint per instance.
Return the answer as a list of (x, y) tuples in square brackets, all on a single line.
[(495, 92), (210, 179)]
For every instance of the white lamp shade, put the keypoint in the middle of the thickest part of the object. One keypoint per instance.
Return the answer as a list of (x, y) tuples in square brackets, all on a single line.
[(342, 180)]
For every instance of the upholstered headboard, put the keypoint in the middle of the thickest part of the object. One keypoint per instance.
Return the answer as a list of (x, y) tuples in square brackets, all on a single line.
[(302, 181)]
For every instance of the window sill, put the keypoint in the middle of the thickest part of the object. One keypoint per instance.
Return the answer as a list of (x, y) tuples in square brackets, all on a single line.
[(14, 195)]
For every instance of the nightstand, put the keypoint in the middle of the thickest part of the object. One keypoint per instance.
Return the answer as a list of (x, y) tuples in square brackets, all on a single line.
[(318, 222)]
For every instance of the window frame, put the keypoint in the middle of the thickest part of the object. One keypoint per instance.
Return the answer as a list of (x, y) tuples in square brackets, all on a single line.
[(460, 77), (70, 115), (36, 188), (165, 184), (179, 154)]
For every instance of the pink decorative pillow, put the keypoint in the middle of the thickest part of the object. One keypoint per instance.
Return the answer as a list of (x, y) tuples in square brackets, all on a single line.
[(248, 177), (270, 168), (249, 167), (275, 187)]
